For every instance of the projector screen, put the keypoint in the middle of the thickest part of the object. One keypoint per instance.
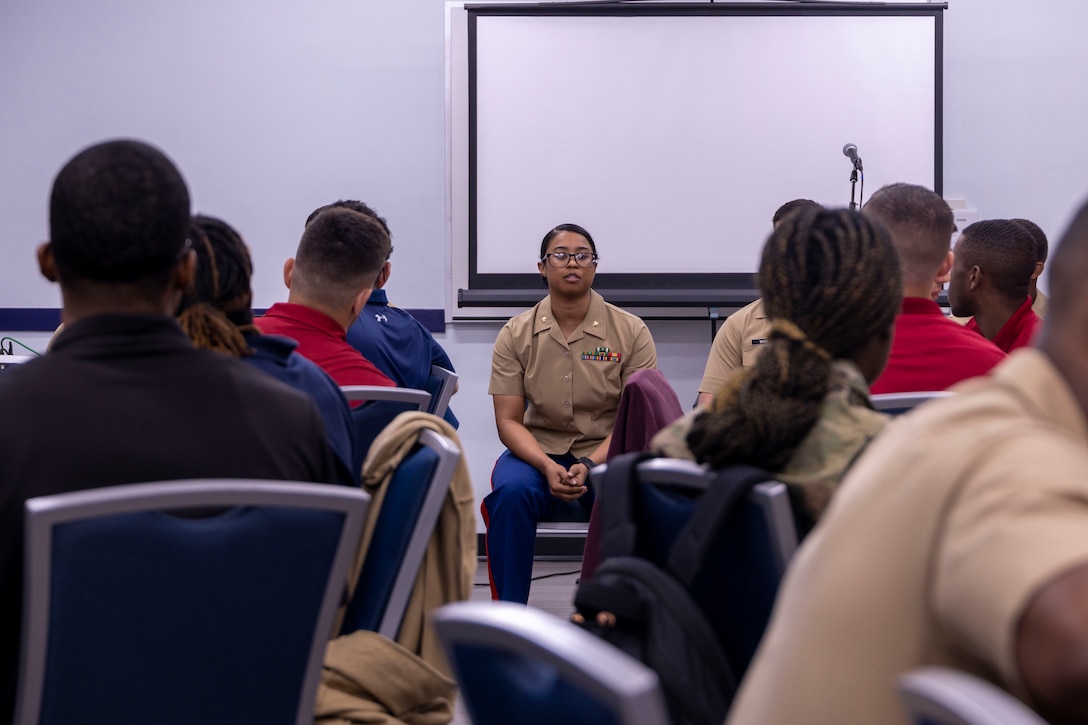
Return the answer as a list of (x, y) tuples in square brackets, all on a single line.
[(672, 133)]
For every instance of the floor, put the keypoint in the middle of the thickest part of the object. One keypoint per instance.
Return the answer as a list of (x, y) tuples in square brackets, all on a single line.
[(552, 590)]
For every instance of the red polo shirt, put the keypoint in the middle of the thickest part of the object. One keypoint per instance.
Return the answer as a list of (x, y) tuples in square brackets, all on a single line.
[(931, 352), (321, 339), (1017, 331)]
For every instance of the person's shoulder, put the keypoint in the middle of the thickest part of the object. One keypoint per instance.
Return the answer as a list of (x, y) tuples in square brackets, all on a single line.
[(623, 317), (19, 380), (251, 382), (972, 343), (523, 322)]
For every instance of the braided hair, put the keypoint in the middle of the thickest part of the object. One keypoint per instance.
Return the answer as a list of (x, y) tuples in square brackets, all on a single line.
[(831, 282), (218, 307)]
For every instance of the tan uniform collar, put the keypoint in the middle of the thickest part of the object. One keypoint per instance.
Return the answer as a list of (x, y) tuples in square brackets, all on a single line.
[(595, 323)]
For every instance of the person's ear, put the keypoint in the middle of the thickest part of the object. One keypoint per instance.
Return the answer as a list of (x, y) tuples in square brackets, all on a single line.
[(47, 263), (974, 278), (1038, 270), (288, 271), (184, 273), (383, 276)]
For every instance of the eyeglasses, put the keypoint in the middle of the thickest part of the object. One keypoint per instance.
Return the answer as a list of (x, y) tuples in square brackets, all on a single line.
[(560, 259)]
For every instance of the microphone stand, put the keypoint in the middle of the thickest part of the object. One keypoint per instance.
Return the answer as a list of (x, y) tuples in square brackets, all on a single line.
[(853, 183)]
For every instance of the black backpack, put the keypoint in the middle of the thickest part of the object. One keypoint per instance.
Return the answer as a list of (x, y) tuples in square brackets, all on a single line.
[(646, 610)]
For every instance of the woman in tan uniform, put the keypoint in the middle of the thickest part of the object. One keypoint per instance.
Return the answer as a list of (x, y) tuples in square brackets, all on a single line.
[(556, 375)]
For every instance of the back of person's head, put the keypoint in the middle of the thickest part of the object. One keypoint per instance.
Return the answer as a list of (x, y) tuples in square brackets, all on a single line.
[(219, 305), (1041, 246), (355, 205), (118, 214), (1005, 253), (790, 207), (921, 224), (831, 284), (339, 255)]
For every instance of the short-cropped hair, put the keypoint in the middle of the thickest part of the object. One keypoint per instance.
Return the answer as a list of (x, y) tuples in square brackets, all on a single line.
[(921, 224), (118, 212), (355, 205), (1004, 250), (791, 206), (341, 251)]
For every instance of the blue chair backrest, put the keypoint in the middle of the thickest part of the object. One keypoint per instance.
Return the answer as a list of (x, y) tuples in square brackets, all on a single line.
[(519, 684), (737, 588), (205, 615), (382, 406), (402, 530), (516, 664)]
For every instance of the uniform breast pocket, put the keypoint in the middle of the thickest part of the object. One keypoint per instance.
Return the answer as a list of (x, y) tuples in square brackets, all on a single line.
[(599, 379), (751, 351)]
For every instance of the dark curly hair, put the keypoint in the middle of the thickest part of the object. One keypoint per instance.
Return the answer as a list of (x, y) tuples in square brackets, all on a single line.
[(118, 212)]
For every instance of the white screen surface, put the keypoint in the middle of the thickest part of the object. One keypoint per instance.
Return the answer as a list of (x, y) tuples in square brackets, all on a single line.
[(673, 139)]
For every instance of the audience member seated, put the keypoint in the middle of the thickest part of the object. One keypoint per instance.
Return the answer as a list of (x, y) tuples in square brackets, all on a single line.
[(831, 284), (995, 261), (397, 343), (556, 375), (958, 539), (123, 396), (330, 279), (1038, 299), (217, 314), (929, 352), (744, 333)]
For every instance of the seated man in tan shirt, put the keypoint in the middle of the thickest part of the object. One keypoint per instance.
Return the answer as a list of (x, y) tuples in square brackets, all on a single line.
[(742, 336), (959, 538)]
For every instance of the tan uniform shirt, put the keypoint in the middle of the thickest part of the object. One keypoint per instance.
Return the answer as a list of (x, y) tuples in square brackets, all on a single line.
[(935, 543), (738, 343), (1042, 302), (572, 386), (846, 424)]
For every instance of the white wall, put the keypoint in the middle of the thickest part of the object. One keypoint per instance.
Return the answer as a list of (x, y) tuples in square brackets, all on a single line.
[(1015, 109)]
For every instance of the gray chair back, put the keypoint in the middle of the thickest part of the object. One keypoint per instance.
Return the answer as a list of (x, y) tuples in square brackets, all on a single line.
[(205, 601), (382, 406), (944, 696), (516, 664), (440, 384), (899, 403), (738, 583)]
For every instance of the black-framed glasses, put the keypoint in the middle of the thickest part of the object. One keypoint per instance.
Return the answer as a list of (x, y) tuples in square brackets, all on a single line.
[(561, 259)]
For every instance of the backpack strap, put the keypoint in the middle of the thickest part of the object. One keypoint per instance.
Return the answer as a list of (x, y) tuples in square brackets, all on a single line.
[(714, 507), (618, 525)]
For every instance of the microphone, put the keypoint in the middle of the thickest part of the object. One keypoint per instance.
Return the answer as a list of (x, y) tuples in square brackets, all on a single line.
[(850, 151)]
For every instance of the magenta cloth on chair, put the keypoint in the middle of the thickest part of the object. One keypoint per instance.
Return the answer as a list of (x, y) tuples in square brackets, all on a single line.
[(647, 404)]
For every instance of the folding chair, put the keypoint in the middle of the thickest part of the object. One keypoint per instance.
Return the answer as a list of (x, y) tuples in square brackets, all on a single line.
[(516, 664), (204, 601)]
